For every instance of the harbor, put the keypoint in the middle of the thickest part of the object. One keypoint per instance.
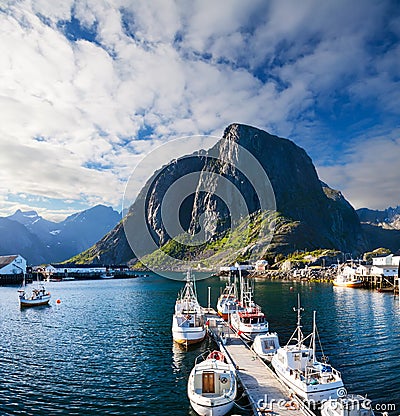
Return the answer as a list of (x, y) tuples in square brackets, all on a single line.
[(121, 349), (263, 389), (276, 379)]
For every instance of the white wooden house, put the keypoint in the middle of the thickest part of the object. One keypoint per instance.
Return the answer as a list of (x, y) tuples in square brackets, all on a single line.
[(261, 265), (14, 264), (390, 260)]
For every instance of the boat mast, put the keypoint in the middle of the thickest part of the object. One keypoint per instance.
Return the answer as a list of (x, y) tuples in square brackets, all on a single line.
[(314, 335), (299, 310)]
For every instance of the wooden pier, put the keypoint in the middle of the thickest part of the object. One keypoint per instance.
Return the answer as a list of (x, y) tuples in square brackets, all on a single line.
[(266, 394)]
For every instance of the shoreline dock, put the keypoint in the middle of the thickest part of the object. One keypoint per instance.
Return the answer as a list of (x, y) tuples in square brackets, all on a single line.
[(266, 394)]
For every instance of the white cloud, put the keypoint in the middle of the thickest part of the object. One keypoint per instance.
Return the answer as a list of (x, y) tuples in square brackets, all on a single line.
[(71, 111), (368, 174)]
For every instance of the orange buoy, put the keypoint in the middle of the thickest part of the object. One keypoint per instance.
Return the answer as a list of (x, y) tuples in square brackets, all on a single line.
[(58, 301)]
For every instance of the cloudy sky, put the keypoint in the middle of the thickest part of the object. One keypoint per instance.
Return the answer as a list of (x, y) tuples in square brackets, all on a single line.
[(88, 87)]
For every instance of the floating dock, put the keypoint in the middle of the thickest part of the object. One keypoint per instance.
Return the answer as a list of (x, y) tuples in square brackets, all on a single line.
[(266, 394)]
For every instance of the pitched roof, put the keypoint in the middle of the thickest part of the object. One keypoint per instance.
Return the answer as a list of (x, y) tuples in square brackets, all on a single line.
[(6, 260)]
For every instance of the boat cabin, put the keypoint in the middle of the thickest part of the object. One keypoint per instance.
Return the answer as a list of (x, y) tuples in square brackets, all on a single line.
[(212, 383), (295, 358), (266, 345), (249, 319)]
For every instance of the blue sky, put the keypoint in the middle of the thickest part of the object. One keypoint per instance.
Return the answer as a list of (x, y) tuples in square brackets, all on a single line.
[(89, 87)]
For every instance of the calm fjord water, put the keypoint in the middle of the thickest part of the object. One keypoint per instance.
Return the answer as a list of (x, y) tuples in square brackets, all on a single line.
[(107, 347)]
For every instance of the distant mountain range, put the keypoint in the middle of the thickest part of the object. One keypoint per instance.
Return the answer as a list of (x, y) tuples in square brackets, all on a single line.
[(43, 241), (381, 228), (388, 219)]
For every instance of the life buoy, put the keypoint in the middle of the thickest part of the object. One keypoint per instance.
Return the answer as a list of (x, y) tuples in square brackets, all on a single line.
[(216, 355), (188, 317), (223, 379)]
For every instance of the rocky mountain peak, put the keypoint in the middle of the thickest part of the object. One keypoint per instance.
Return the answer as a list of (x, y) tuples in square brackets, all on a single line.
[(311, 216)]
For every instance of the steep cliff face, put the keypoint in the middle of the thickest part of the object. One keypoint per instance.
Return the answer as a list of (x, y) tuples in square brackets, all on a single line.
[(311, 215), (327, 219)]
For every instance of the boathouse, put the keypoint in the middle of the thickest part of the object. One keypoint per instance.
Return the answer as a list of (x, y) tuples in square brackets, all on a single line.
[(14, 264), (384, 270), (12, 269)]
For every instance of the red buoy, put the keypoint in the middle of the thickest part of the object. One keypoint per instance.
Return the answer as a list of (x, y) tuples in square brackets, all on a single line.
[(58, 301)]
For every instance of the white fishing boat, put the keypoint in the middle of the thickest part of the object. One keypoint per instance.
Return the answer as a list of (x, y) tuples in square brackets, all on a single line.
[(248, 320), (38, 296), (228, 302), (188, 326), (107, 275), (350, 405), (297, 366), (347, 278), (266, 345), (212, 385)]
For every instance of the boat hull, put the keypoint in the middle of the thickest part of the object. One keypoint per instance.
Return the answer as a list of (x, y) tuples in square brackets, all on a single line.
[(27, 303), (311, 393), (186, 341), (355, 405), (217, 409), (348, 284), (188, 336)]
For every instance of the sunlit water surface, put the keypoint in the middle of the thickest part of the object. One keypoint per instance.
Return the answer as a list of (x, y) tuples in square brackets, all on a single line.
[(107, 348)]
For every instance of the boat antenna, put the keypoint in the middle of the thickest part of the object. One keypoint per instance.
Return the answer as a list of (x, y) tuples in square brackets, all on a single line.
[(299, 310), (314, 335), (241, 283)]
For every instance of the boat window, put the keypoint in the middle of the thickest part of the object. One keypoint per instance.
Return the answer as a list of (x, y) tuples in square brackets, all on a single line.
[(305, 354), (269, 344)]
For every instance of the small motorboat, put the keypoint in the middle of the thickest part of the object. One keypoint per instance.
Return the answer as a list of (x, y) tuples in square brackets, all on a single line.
[(39, 297), (212, 385), (107, 275), (346, 281), (350, 405), (266, 345)]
